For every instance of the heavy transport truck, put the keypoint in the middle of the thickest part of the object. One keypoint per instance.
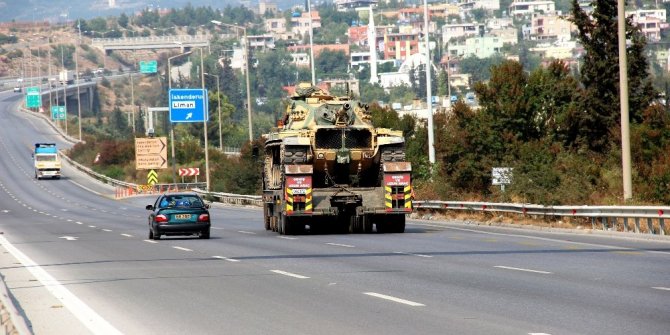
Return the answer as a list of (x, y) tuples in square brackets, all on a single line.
[(66, 77), (46, 161), (326, 168)]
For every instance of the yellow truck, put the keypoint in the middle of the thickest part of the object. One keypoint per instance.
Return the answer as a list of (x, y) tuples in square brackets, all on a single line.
[(46, 161)]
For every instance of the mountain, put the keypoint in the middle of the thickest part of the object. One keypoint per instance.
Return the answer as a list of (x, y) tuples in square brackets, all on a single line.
[(64, 10)]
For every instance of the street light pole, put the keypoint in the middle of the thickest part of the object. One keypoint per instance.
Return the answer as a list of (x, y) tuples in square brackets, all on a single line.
[(204, 122), (169, 78), (218, 98), (246, 67), (429, 102), (76, 73), (311, 45)]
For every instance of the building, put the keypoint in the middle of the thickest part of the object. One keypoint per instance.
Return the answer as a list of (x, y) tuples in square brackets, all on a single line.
[(480, 47), (468, 5), (346, 5), (400, 45), (261, 42), (550, 27), (300, 25), (559, 50), (269, 8), (457, 30), (508, 35), (651, 22), (523, 8)]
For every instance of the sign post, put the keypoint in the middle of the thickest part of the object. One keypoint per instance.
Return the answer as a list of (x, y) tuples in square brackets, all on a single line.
[(501, 176), (151, 153), (188, 105), (58, 113), (148, 67), (33, 97)]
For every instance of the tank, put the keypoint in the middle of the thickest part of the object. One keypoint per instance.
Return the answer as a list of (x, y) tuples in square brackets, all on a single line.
[(327, 160)]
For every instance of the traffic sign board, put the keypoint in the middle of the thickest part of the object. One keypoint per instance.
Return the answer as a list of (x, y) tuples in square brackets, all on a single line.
[(33, 97), (152, 177), (150, 66), (58, 112), (151, 153), (188, 105), (189, 172)]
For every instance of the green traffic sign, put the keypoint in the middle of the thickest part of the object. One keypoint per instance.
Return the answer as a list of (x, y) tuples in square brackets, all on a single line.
[(33, 97), (58, 112), (148, 66)]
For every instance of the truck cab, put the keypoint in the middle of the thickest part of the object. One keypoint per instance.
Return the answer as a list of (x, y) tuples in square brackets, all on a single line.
[(46, 161)]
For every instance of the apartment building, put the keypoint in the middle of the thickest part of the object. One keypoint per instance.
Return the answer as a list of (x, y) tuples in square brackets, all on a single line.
[(400, 45), (456, 30), (480, 47), (524, 7), (550, 27)]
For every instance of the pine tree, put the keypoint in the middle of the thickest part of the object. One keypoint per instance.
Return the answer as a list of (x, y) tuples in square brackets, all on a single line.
[(599, 107)]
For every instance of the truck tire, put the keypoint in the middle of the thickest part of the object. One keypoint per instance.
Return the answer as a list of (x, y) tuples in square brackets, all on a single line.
[(266, 215), (399, 224)]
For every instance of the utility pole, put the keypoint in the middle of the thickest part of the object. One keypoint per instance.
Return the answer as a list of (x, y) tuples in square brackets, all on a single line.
[(623, 99), (204, 123), (62, 60), (311, 43), (77, 82), (429, 102)]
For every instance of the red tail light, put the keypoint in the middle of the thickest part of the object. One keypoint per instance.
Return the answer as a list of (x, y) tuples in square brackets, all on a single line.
[(161, 218), (203, 218)]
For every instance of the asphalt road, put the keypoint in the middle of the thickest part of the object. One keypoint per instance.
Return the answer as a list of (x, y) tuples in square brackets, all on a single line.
[(78, 262)]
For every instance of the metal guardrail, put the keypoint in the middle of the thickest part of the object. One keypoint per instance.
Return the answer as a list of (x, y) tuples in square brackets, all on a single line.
[(608, 215), (232, 199), (149, 39)]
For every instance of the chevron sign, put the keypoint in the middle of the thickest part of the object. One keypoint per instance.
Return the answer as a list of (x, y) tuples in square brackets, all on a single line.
[(189, 172), (152, 177)]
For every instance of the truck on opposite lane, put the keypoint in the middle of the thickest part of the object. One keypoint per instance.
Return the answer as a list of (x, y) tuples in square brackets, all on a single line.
[(46, 161)]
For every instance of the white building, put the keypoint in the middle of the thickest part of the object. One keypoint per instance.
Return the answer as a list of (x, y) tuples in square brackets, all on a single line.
[(480, 47), (522, 8)]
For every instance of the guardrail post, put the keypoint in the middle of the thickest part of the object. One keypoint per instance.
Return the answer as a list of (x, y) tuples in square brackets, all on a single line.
[(603, 221), (637, 225), (593, 223), (625, 224), (662, 224), (650, 226)]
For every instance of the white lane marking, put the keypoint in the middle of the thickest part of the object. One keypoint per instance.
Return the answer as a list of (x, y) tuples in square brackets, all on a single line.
[(287, 237), (127, 235), (388, 297), (150, 241), (538, 334), (94, 322), (661, 288), (86, 188), (226, 258), (69, 238), (341, 245), (106, 229), (543, 239), (91, 226), (289, 274), (520, 269), (5, 211), (246, 232), (78, 222), (411, 254), (69, 220), (180, 248)]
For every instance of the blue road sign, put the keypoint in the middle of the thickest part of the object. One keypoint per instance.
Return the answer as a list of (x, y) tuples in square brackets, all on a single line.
[(189, 105)]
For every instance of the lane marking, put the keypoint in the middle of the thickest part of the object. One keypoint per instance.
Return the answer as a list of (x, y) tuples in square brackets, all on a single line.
[(661, 288), (411, 254), (246, 232), (521, 269), (78, 222), (127, 235), (106, 230), (289, 274), (150, 241), (538, 334), (91, 226), (86, 315), (181, 248), (341, 245), (287, 237), (86, 188), (226, 258), (394, 299)]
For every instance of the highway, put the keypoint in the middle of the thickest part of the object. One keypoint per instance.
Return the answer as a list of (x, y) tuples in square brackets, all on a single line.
[(78, 261)]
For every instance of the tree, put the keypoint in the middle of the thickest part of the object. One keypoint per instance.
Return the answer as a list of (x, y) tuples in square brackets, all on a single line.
[(123, 20), (599, 102), (331, 63)]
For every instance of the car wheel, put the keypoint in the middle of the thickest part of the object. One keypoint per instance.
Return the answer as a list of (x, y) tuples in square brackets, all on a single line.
[(157, 235), (204, 235), (151, 234)]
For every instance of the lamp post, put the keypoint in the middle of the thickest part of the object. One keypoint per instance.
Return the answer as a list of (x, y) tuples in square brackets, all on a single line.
[(218, 97), (429, 102), (169, 78), (246, 67), (204, 123), (311, 43)]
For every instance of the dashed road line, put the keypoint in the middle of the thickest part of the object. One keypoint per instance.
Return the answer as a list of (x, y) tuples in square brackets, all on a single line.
[(181, 248), (289, 274), (108, 230), (226, 258), (394, 299), (412, 254), (341, 245), (150, 241), (521, 269), (287, 237), (661, 288), (246, 232), (127, 235)]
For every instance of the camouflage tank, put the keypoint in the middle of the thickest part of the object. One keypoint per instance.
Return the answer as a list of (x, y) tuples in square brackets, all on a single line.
[(327, 167)]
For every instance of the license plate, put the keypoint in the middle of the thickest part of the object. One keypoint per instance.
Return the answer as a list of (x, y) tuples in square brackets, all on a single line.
[(299, 191), (182, 216)]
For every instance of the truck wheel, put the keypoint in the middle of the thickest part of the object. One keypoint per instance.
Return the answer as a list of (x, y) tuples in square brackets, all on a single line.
[(399, 224), (367, 224), (266, 216)]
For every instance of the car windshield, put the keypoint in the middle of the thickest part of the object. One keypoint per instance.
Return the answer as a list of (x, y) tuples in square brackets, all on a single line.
[(181, 201)]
